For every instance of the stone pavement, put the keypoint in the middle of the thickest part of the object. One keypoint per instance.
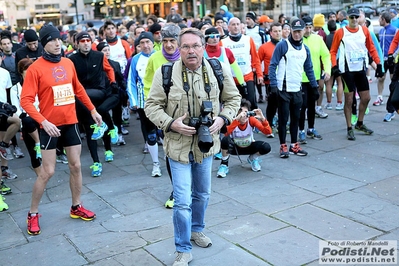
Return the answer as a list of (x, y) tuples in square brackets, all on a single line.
[(342, 190)]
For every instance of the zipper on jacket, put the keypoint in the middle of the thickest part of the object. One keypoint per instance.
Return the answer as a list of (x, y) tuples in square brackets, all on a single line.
[(174, 111)]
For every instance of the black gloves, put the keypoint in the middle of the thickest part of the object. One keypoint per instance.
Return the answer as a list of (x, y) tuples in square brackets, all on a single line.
[(273, 90), (114, 87), (8, 109), (378, 72), (335, 71), (390, 60), (243, 90), (265, 77), (316, 93)]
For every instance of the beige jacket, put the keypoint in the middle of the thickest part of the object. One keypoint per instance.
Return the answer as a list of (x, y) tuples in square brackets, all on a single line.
[(162, 111)]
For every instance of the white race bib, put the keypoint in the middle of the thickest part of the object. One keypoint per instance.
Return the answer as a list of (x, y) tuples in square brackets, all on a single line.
[(63, 94)]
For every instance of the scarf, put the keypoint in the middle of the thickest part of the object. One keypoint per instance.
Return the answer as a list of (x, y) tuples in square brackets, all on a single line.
[(298, 44), (53, 58), (274, 41), (171, 57), (112, 40), (235, 38)]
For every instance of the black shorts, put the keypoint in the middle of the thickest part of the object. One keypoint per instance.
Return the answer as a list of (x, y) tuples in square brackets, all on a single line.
[(356, 80), (70, 136)]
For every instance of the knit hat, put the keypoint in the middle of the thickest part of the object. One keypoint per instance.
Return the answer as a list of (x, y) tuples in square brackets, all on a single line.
[(209, 32), (82, 35), (218, 17), (224, 8), (308, 20), (145, 35), (48, 33), (154, 28), (297, 24), (393, 11), (101, 46), (203, 23), (129, 24), (318, 20), (251, 15), (30, 36), (170, 31)]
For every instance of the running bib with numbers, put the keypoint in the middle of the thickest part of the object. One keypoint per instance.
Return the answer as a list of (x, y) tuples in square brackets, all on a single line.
[(63, 94), (356, 56)]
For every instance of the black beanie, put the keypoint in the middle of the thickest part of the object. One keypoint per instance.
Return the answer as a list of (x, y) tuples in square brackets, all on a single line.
[(30, 36), (145, 35), (82, 35), (251, 15), (48, 33), (154, 28), (218, 17), (101, 46), (129, 24), (209, 32)]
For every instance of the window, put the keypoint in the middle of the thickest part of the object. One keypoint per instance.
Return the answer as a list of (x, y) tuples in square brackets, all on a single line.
[(325, 2), (20, 8)]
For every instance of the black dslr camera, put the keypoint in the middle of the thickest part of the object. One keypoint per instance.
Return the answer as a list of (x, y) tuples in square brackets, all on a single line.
[(202, 124)]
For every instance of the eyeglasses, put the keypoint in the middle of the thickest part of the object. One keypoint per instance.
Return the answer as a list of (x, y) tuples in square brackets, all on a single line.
[(187, 47), (212, 36), (353, 17), (84, 40)]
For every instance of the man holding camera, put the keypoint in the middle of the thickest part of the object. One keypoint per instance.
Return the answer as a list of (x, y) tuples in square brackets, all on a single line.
[(188, 150)]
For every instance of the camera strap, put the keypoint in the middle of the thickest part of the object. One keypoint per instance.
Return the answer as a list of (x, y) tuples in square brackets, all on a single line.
[(186, 86)]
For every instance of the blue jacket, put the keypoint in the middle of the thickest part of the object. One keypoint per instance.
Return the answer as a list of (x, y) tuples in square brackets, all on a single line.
[(386, 35)]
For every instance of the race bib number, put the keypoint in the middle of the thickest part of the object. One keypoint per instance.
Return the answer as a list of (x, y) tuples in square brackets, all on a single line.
[(356, 56), (63, 94)]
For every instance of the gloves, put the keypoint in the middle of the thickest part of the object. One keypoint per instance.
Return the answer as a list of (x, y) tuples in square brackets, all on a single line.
[(10, 109), (335, 71), (265, 77), (115, 88), (390, 60), (273, 90), (243, 90), (316, 93), (378, 72)]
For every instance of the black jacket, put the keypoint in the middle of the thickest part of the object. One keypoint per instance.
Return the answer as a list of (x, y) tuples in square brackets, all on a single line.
[(25, 52), (90, 69)]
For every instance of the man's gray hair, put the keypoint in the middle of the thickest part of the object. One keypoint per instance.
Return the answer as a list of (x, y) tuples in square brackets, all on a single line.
[(194, 31), (170, 30)]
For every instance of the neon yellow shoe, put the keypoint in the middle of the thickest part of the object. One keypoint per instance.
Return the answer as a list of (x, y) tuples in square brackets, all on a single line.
[(3, 205)]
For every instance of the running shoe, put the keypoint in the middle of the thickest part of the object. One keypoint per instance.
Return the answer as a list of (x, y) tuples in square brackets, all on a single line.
[(389, 116), (38, 152), (328, 106), (18, 152), (109, 156), (302, 137), (365, 129), (4, 189), (284, 151), (33, 224), (312, 133), (350, 135), (320, 113), (169, 203), (339, 107), (297, 150), (125, 113), (121, 140), (124, 131), (82, 213), (8, 174), (3, 205), (378, 101), (222, 171), (156, 170), (145, 149), (114, 135), (98, 131), (96, 169), (254, 164), (218, 156), (62, 159), (5, 153)]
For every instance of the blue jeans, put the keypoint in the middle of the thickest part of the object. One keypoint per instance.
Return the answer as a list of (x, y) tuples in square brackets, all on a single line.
[(191, 190)]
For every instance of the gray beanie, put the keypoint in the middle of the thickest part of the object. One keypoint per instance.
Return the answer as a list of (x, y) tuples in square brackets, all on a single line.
[(170, 31)]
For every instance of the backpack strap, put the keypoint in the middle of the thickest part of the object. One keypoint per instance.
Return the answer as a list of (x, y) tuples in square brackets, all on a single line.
[(218, 71), (167, 77)]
